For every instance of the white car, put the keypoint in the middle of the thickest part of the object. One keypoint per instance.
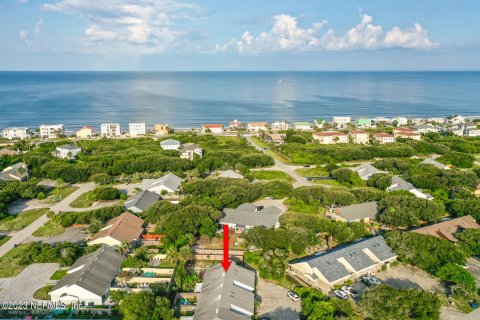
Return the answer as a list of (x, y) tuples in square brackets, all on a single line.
[(371, 281), (292, 295), (349, 290), (341, 294)]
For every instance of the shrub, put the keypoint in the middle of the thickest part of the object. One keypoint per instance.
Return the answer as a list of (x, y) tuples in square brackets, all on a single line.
[(41, 196)]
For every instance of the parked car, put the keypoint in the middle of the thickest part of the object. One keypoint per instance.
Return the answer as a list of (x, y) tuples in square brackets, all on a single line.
[(349, 290), (371, 281), (341, 294), (306, 166), (292, 295)]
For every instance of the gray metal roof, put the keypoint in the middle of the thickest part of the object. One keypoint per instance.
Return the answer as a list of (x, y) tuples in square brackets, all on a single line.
[(247, 215), (220, 291), (12, 173), (358, 211), (98, 269), (400, 184), (142, 200), (170, 142), (169, 180), (434, 163), (327, 262), (366, 170)]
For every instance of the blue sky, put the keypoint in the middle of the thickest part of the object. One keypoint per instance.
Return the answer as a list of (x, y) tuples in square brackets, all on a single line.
[(239, 35)]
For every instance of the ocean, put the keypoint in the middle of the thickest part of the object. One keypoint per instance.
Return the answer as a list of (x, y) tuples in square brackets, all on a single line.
[(189, 99)]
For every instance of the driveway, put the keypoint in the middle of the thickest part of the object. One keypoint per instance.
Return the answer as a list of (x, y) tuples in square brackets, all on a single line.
[(22, 287), (280, 166), (403, 276), (474, 268), (275, 303), (73, 235), (451, 314)]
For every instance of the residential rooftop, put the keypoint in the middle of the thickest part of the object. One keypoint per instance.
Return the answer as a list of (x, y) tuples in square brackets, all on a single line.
[(447, 229)]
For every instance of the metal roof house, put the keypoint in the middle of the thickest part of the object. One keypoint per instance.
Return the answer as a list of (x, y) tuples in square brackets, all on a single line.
[(435, 163), (366, 170), (247, 216), (347, 262), (226, 295), (356, 212), (141, 201), (15, 172), (89, 279), (169, 183), (67, 151), (170, 144), (399, 184)]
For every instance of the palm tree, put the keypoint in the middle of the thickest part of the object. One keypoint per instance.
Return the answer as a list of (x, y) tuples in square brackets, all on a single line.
[(189, 239), (172, 254), (185, 253), (124, 248)]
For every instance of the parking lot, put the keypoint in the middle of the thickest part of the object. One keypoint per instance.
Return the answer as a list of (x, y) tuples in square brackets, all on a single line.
[(274, 302), (403, 276), (22, 287)]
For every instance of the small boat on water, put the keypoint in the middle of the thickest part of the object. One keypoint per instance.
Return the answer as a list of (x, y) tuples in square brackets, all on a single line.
[(279, 81)]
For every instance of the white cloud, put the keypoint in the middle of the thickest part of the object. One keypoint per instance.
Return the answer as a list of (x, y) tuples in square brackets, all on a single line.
[(24, 35), (130, 25), (29, 37), (286, 35)]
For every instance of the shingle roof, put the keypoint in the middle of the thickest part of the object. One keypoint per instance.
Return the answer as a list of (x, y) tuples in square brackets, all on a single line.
[(221, 290), (142, 200), (400, 184), (365, 170), (247, 215), (97, 271), (447, 229), (170, 142), (12, 173), (358, 211), (327, 262), (125, 227), (169, 180)]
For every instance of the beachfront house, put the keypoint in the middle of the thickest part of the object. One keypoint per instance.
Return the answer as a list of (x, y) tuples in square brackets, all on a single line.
[(319, 122), (359, 136), (472, 132), (226, 295), (400, 121), (170, 144), (141, 201), (302, 126), (280, 126), (364, 122), (365, 170), (248, 215), (214, 128), (341, 122), (15, 172), (257, 126), (330, 137), (383, 138), (447, 229), (67, 151), (161, 129), (126, 227), (400, 184), (136, 129), (189, 150), (235, 124), (89, 279), (85, 132), (456, 119), (15, 133), (51, 131), (347, 262), (110, 130), (167, 184), (365, 212)]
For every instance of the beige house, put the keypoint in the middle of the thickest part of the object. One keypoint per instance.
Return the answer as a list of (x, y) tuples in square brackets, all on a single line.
[(359, 136), (383, 138), (348, 262), (280, 126), (257, 126), (162, 129), (126, 227), (330, 137), (215, 128), (85, 132)]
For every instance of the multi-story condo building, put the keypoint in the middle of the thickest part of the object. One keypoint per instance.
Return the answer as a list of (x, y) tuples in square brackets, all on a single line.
[(15, 133), (136, 129), (383, 138), (49, 131), (401, 121), (280, 126), (359, 136), (110, 130), (341, 122), (330, 137)]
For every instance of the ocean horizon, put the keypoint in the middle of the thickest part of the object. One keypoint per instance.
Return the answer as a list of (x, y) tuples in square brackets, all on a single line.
[(187, 99)]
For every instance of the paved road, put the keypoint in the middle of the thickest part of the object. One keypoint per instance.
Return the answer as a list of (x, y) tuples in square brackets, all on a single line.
[(451, 314), (288, 169), (275, 303), (64, 205)]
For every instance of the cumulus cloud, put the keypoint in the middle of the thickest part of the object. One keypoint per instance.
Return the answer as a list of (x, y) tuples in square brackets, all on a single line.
[(145, 25), (287, 35), (30, 37)]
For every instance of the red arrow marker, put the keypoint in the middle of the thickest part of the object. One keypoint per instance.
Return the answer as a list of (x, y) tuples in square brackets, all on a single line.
[(225, 263)]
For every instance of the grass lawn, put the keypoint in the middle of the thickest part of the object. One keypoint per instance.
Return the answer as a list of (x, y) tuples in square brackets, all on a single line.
[(57, 195), (11, 262), (271, 175), (4, 239), (22, 220), (329, 182), (42, 293), (82, 202), (59, 274), (312, 172), (271, 152), (50, 229)]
